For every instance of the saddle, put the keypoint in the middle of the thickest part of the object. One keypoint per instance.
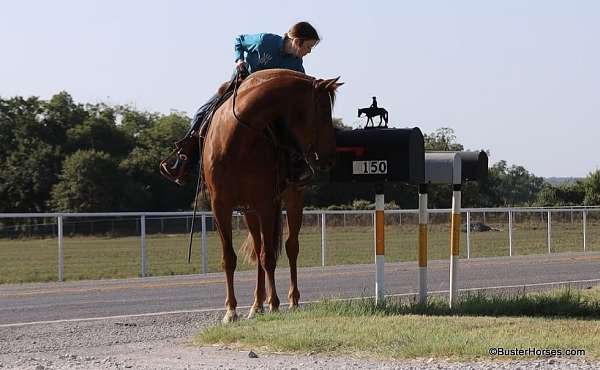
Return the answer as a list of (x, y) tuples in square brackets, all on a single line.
[(176, 166)]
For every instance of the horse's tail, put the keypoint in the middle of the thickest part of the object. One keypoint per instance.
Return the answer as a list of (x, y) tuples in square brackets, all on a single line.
[(277, 244), (385, 116), (248, 250)]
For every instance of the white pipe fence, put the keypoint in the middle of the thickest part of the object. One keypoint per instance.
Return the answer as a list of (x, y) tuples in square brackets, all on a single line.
[(322, 216)]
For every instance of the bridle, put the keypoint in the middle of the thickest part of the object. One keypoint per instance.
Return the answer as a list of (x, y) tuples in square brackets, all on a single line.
[(271, 137)]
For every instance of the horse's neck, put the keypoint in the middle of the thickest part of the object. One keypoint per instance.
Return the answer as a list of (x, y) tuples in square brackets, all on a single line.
[(270, 100)]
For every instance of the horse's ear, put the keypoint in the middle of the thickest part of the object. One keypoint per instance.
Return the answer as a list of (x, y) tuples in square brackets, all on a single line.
[(329, 85)]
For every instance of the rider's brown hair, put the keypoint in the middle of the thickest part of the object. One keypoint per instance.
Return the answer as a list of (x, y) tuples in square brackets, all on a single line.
[(303, 31)]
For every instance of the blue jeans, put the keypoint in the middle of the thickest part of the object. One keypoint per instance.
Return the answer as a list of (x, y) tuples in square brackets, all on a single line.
[(201, 113)]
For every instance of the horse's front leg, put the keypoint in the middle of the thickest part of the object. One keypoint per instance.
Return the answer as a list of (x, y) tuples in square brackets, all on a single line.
[(253, 224), (294, 201), (229, 259)]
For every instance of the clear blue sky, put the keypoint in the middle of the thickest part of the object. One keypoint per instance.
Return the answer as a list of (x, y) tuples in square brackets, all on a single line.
[(520, 78)]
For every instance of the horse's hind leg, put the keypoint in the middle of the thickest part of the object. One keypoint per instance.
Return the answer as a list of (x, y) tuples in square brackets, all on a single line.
[(294, 201), (253, 224), (229, 259), (269, 250)]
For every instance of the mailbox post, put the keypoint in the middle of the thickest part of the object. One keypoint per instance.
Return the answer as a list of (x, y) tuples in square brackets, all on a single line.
[(452, 168), (378, 156)]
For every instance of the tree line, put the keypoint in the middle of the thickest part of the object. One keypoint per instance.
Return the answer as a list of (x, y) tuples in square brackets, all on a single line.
[(63, 156)]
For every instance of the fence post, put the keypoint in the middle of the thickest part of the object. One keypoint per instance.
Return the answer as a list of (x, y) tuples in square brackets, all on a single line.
[(584, 229), (61, 252), (143, 243), (203, 246), (468, 234), (323, 239), (549, 232), (510, 227)]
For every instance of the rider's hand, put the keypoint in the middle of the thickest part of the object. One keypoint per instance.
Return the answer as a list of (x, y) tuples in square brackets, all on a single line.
[(241, 66)]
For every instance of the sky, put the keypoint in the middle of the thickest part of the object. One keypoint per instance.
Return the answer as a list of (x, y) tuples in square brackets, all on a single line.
[(520, 78)]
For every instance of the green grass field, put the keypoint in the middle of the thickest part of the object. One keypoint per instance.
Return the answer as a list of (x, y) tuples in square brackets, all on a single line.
[(561, 320), (28, 260)]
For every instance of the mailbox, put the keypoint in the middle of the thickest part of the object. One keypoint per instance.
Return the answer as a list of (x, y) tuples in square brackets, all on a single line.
[(379, 155), (455, 167), (443, 168), (474, 166)]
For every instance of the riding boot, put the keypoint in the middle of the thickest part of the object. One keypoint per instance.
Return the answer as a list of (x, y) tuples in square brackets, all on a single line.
[(178, 165)]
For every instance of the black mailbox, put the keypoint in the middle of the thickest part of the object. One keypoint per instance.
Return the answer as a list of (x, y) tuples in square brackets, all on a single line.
[(379, 155), (474, 166)]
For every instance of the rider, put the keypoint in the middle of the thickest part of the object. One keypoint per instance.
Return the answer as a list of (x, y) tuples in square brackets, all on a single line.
[(255, 52), (374, 104)]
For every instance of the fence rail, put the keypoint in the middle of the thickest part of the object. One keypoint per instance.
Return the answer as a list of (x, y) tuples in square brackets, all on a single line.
[(333, 233)]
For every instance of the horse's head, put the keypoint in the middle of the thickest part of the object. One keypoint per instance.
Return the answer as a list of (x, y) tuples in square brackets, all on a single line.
[(360, 112), (322, 148)]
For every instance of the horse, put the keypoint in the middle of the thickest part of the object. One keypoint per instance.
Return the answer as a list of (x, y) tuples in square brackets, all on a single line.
[(373, 112), (243, 167)]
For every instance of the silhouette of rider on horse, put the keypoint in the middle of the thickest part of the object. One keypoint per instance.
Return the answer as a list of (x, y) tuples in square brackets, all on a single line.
[(374, 111)]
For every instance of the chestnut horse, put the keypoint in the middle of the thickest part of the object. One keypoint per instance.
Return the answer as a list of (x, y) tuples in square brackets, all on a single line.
[(244, 166)]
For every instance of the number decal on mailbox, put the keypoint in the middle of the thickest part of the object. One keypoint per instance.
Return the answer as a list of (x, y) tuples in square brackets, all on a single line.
[(369, 167)]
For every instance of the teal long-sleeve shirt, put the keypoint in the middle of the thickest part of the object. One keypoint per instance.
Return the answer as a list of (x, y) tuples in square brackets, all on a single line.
[(265, 51)]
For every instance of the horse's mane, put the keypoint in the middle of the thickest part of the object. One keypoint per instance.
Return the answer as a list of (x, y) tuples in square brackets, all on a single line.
[(259, 78)]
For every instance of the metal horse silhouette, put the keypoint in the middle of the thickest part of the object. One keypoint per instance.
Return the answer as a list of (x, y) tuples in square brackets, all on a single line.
[(374, 111)]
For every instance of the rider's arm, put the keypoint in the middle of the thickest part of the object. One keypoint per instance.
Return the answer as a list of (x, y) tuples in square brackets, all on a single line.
[(246, 43)]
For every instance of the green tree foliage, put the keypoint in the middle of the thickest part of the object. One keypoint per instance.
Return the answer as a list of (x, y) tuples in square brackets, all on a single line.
[(29, 159), (442, 139), (562, 195), (60, 114), (339, 124), (154, 143), (592, 189), (89, 182), (510, 186), (107, 159), (100, 132)]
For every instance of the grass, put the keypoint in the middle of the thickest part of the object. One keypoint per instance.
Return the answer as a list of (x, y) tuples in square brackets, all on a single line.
[(562, 320), (27, 260)]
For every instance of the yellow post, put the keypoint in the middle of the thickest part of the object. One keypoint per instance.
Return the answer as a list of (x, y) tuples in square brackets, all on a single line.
[(454, 242), (423, 222), (379, 245)]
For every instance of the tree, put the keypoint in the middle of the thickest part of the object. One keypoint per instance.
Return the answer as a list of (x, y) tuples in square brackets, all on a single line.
[(134, 122), (60, 114), (339, 124), (442, 139), (100, 132), (562, 195), (28, 174), (90, 181), (510, 186), (592, 189), (154, 143)]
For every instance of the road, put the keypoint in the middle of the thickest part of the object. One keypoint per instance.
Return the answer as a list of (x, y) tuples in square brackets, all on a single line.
[(42, 302)]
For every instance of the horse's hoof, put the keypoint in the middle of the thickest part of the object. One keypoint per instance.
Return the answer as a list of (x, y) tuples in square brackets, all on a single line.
[(293, 306), (273, 308), (255, 311), (230, 317)]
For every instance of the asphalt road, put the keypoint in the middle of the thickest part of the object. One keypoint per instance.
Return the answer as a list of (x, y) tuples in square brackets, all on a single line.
[(28, 303)]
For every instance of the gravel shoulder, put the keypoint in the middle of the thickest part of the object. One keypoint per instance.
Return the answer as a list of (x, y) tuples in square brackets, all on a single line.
[(164, 342)]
